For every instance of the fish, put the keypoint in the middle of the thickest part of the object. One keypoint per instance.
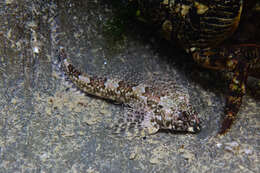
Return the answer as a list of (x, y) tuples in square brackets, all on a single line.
[(149, 108)]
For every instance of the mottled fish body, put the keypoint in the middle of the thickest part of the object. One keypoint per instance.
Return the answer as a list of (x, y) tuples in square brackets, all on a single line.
[(157, 110)]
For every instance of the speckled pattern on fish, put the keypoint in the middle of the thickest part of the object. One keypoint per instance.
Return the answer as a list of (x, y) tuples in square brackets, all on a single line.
[(155, 109)]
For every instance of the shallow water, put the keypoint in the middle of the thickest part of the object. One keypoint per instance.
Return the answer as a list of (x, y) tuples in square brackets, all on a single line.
[(45, 126)]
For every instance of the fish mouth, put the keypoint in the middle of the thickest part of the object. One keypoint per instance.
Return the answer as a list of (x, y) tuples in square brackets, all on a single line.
[(187, 123), (195, 128), (187, 127)]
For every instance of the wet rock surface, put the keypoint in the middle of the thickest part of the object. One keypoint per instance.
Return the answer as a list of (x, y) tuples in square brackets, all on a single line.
[(47, 125)]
